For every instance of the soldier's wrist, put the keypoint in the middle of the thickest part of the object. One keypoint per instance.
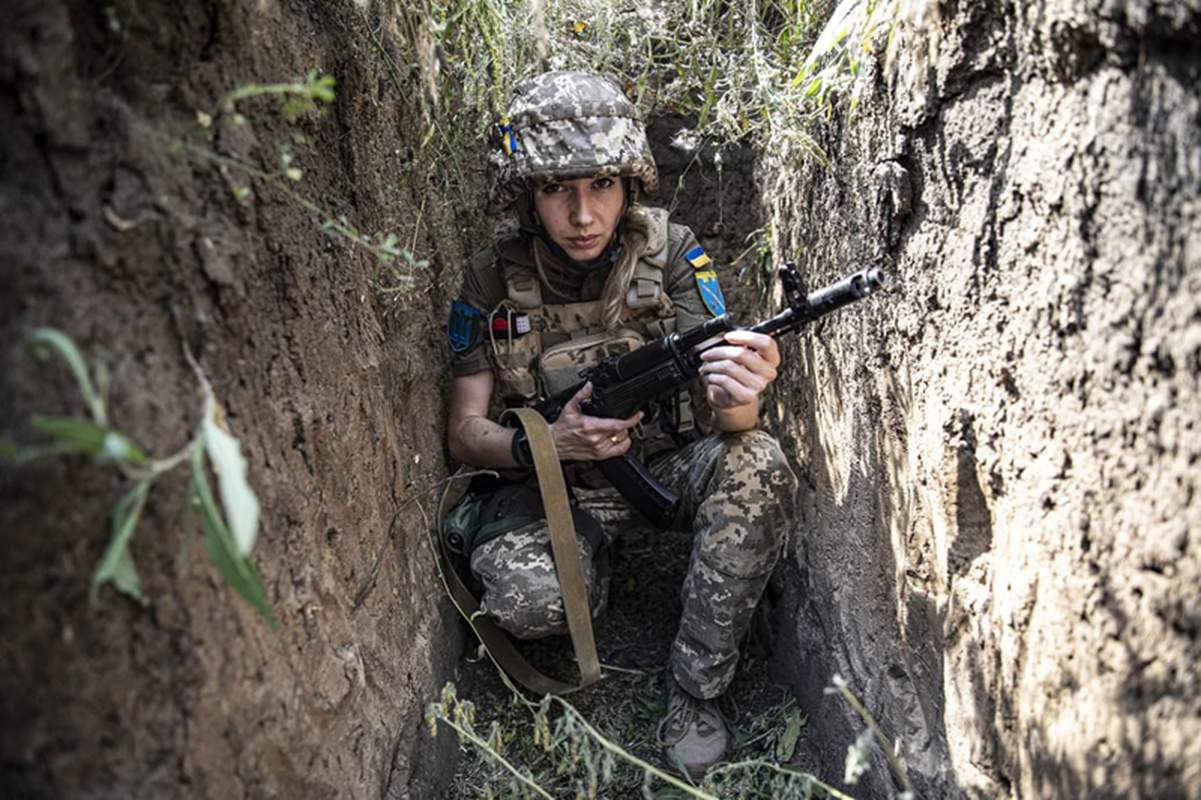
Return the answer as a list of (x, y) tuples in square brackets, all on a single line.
[(519, 448)]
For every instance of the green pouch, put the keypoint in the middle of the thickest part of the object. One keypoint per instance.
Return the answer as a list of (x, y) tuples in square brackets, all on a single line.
[(460, 524), (510, 507), (480, 518)]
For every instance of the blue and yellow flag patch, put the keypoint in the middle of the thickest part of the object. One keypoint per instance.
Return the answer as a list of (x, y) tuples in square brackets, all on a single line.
[(463, 326), (508, 138), (697, 257)]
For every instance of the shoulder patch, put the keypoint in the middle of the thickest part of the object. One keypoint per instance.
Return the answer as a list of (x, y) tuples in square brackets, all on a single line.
[(697, 257), (706, 282), (463, 326)]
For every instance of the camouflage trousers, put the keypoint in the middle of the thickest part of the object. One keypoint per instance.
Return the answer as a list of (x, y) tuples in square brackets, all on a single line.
[(737, 493)]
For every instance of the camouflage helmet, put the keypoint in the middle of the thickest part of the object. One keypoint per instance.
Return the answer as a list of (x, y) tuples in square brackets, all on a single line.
[(566, 125)]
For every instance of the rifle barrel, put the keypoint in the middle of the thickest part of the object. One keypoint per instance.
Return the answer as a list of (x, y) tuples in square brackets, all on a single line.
[(829, 298)]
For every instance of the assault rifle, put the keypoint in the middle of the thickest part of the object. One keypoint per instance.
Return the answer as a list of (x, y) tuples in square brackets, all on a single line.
[(621, 385)]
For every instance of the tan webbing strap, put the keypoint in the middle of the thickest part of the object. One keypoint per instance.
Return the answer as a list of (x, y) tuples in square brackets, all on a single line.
[(562, 540), (500, 646)]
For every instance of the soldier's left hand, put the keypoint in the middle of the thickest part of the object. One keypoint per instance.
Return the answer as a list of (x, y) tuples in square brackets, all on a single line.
[(736, 373)]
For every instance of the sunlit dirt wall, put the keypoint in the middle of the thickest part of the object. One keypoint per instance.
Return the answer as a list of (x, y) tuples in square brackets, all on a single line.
[(999, 539)]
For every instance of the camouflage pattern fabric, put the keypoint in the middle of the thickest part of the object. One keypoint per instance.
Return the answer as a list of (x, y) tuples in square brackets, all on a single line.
[(566, 125), (737, 490), (521, 588), (736, 493)]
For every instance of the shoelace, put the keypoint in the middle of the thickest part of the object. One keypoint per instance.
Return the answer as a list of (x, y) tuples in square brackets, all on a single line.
[(683, 711)]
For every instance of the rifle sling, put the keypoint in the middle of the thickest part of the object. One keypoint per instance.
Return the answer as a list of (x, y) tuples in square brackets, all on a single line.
[(563, 541), (500, 646)]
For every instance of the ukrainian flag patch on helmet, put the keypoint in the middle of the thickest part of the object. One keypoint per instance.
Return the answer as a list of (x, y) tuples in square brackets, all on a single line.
[(508, 138), (715, 301), (463, 326), (697, 257)]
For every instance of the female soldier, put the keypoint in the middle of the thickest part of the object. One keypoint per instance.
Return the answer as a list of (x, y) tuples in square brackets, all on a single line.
[(580, 269)]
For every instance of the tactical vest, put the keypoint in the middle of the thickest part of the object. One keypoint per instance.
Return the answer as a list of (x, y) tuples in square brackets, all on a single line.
[(539, 350)]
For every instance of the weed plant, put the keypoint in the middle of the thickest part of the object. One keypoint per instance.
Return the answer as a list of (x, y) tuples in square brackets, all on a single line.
[(230, 527), (551, 749), (396, 267)]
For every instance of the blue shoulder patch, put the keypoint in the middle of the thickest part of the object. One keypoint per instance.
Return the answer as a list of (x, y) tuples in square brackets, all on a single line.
[(715, 301), (463, 326)]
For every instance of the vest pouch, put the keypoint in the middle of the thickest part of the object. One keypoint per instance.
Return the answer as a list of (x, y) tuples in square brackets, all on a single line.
[(513, 360), (510, 507), (561, 364), (481, 517), (461, 523)]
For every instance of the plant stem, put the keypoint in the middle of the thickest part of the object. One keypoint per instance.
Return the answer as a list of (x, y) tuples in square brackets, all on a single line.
[(881, 739), (621, 752), (485, 747), (756, 764)]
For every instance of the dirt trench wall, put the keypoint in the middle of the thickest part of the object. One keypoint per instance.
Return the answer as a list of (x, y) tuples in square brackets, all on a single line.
[(137, 248), (999, 547)]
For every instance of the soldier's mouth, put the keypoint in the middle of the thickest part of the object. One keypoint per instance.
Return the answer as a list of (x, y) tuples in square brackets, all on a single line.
[(584, 242)]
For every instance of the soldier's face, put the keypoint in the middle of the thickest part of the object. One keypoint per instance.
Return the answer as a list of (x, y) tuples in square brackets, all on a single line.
[(581, 215)]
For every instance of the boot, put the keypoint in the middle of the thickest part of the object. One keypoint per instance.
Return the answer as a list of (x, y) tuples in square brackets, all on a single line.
[(693, 734)]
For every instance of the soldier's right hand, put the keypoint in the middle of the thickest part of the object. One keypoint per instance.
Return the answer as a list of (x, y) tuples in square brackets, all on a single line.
[(579, 437)]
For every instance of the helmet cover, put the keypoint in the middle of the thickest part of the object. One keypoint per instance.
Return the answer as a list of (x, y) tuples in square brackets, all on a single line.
[(562, 126)]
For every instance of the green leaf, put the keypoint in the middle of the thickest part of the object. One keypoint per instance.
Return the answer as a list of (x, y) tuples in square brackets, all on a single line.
[(238, 499), (238, 570), (116, 564), (321, 88), (55, 339), (10, 450), (106, 445), (786, 746), (125, 578), (72, 435)]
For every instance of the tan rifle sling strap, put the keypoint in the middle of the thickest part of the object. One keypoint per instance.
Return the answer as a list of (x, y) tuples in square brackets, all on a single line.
[(567, 565)]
